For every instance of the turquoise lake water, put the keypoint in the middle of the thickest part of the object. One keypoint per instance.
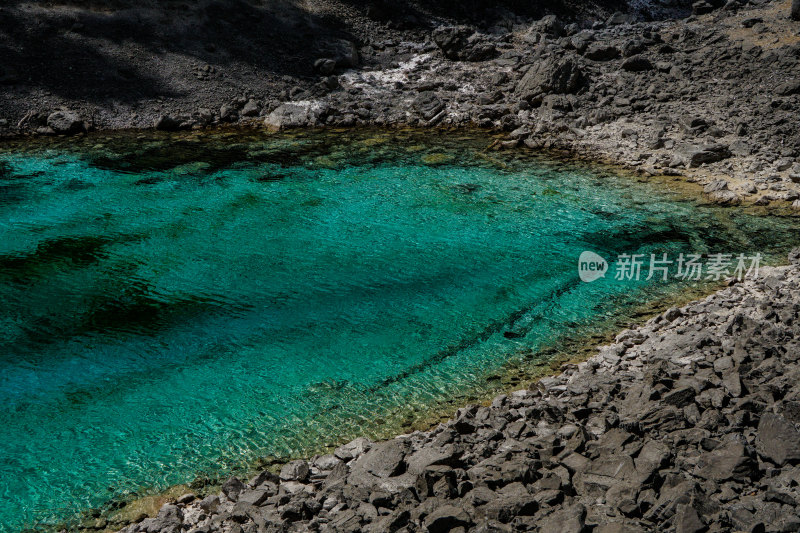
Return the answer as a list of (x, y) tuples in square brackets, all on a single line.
[(174, 307)]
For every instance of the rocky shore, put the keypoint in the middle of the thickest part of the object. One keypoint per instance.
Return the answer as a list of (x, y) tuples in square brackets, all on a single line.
[(712, 97), (687, 423)]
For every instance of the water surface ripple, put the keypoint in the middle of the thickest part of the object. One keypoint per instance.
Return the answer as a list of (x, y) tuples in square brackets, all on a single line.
[(179, 306)]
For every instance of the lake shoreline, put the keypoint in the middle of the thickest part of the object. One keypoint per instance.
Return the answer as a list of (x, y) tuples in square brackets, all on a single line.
[(686, 183), (640, 95), (644, 425), (706, 105), (174, 493), (555, 358)]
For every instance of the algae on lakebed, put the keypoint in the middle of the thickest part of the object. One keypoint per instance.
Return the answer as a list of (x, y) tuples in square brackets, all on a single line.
[(180, 305)]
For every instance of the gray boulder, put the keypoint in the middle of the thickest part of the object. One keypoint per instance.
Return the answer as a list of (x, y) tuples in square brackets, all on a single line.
[(693, 155), (605, 472), (731, 461), (462, 43), (778, 439), (255, 497), (250, 109), (428, 456), (294, 115), (428, 105), (637, 63), (65, 123), (581, 40), (686, 520), (680, 397), (447, 518), (232, 488), (295, 471), (384, 460), (167, 123), (228, 113), (618, 18), (548, 25), (556, 76), (514, 500), (726, 198), (570, 519), (653, 456), (716, 185), (325, 66), (599, 51), (352, 449), (210, 503), (342, 52), (788, 88), (168, 520)]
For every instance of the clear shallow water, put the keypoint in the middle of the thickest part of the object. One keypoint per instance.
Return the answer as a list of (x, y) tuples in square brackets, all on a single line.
[(176, 307)]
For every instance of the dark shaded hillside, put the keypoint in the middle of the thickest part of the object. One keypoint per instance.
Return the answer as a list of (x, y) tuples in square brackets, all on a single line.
[(138, 59)]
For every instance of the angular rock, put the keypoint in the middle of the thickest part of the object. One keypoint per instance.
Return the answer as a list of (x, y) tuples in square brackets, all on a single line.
[(428, 456), (186, 498), (168, 520), (788, 88), (716, 185), (605, 472), (693, 155), (462, 43), (724, 198), (687, 520), (325, 66), (570, 519), (254, 497), (599, 51), (343, 53), (702, 7), (637, 63), (353, 448), (391, 523), (295, 115), (652, 457), (384, 460), (778, 439), (228, 113), (167, 123), (295, 471), (428, 105), (548, 25), (680, 397), (250, 109), (447, 518), (731, 461), (210, 503), (66, 123), (562, 76), (232, 488), (512, 500), (346, 522)]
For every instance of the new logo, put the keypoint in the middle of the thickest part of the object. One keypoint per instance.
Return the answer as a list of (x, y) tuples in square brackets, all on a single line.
[(591, 266)]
